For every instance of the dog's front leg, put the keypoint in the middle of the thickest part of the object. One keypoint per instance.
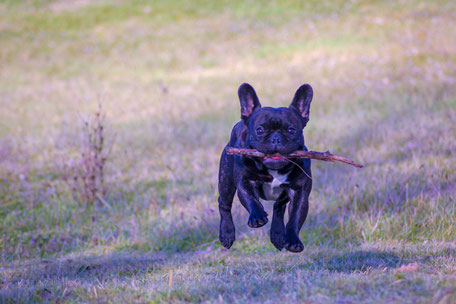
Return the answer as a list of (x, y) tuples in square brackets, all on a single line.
[(249, 197), (297, 212)]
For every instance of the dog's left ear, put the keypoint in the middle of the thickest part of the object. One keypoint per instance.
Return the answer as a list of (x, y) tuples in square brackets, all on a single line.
[(302, 100)]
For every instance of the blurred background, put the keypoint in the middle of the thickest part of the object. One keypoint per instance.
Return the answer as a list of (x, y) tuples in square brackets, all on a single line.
[(113, 115)]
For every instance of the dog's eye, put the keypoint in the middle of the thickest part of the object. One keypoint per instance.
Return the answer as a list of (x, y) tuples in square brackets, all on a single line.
[(291, 130), (260, 131)]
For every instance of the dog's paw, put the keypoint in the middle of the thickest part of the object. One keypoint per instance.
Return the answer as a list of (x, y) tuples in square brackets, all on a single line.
[(294, 247), (293, 244), (227, 240), (257, 220), (278, 239), (227, 234), (227, 237)]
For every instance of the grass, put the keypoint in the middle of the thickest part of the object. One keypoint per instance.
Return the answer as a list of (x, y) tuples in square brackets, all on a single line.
[(384, 76)]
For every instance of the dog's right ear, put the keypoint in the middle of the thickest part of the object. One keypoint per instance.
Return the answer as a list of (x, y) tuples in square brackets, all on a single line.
[(249, 100), (302, 100)]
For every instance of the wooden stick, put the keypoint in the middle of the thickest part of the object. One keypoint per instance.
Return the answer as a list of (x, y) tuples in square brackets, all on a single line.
[(326, 156)]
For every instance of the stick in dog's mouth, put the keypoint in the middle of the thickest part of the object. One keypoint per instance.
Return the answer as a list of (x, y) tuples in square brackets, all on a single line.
[(325, 156)]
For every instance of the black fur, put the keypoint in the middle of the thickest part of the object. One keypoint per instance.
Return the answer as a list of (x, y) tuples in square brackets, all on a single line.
[(269, 130)]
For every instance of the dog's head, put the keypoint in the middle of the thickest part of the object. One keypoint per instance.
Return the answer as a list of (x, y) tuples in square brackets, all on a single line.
[(275, 130)]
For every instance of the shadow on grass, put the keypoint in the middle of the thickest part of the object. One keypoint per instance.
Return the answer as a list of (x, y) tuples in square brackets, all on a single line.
[(358, 260), (102, 266), (366, 260), (49, 279)]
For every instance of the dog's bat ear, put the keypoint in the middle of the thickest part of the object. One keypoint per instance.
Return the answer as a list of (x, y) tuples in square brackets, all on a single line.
[(302, 100), (249, 100)]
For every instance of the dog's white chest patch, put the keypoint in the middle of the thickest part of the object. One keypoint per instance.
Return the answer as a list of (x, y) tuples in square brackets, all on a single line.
[(273, 190)]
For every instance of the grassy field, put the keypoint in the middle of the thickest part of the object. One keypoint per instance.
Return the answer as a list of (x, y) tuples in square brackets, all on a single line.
[(166, 74)]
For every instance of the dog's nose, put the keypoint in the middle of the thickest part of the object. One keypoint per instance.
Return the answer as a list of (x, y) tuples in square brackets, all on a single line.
[(276, 139)]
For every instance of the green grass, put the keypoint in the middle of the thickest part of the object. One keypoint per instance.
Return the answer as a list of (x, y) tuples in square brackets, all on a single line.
[(166, 73)]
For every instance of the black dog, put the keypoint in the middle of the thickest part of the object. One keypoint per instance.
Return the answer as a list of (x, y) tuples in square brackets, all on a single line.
[(269, 130)]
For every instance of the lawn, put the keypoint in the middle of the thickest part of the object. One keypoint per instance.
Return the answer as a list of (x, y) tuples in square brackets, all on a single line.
[(163, 78)]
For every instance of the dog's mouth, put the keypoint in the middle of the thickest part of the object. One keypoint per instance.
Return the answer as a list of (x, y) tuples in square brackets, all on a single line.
[(275, 162), (274, 157), (276, 153)]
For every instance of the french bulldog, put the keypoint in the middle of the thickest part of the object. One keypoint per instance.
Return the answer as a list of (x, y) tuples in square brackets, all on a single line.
[(271, 131)]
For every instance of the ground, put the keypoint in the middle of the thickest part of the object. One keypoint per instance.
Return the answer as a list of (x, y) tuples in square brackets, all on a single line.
[(166, 76)]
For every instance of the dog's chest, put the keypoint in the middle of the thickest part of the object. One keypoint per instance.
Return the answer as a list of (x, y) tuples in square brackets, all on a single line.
[(273, 190)]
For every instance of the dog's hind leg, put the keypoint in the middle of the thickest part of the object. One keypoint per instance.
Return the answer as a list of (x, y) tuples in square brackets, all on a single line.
[(297, 211), (277, 232), (227, 189)]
